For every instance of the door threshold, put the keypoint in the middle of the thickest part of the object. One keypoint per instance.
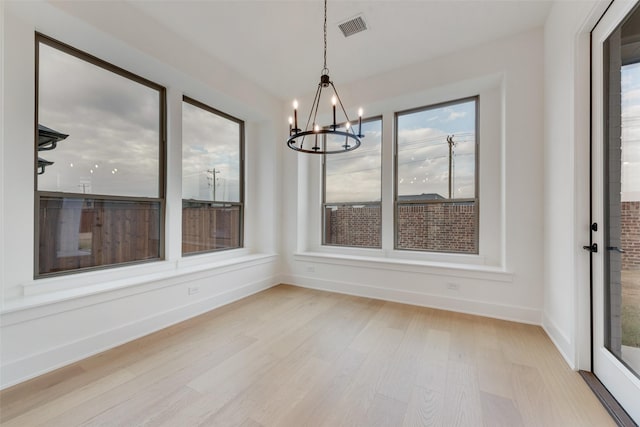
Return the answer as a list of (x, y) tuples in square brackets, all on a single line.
[(612, 406)]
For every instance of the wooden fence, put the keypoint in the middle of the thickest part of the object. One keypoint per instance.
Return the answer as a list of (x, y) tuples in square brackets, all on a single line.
[(83, 233)]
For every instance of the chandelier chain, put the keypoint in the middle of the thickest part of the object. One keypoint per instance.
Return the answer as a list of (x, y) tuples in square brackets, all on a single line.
[(325, 35), (322, 136)]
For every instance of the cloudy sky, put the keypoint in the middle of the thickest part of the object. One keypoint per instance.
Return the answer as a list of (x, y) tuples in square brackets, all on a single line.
[(113, 144), (210, 146), (423, 151), (113, 127), (355, 176), (631, 132), (423, 157)]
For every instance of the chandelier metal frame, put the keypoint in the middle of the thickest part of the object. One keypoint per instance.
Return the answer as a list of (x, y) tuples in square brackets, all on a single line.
[(297, 136)]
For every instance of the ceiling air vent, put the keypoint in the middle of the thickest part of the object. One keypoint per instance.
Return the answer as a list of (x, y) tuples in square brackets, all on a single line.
[(353, 25)]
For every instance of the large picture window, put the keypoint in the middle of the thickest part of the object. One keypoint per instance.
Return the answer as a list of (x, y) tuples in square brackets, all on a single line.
[(212, 179), (352, 194), (436, 178), (99, 142)]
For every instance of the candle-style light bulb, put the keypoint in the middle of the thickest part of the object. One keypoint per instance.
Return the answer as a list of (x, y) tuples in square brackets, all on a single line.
[(316, 128), (346, 138), (334, 101)]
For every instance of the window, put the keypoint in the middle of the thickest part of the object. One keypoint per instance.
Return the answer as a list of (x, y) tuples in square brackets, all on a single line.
[(212, 179), (436, 178), (99, 139), (352, 211)]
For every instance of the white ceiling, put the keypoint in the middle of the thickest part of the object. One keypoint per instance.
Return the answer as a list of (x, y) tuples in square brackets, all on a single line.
[(279, 44)]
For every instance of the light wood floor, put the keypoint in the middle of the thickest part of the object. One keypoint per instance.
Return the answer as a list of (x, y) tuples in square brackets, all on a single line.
[(297, 357)]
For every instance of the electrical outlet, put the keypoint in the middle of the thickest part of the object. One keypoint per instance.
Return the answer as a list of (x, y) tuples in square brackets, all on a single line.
[(311, 269), (193, 291), (453, 286)]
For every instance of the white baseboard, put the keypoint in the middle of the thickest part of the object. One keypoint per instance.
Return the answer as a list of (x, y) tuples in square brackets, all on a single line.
[(34, 365), (480, 308), (560, 340)]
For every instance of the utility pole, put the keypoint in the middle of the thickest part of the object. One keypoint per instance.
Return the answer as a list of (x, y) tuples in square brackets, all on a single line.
[(212, 181), (451, 145)]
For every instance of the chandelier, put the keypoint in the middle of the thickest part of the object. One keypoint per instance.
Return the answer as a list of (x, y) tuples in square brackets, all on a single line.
[(334, 138)]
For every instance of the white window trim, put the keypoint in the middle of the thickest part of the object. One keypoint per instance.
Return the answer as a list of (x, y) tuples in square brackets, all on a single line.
[(492, 228), (130, 280)]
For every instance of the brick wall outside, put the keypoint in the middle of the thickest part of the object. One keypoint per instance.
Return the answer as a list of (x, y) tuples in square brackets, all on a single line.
[(353, 226), (445, 227), (438, 227), (630, 238)]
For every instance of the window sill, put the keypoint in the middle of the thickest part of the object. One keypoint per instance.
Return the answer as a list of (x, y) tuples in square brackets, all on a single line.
[(430, 258), (134, 279), (472, 271)]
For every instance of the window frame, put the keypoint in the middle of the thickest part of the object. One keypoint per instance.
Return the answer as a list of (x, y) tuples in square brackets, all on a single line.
[(475, 199), (324, 204), (241, 192), (162, 160)]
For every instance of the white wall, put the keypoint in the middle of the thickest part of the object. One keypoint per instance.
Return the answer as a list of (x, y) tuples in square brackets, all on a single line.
[(2, 156), (51, 322), (533, 161), (566, 178), (505, 279)]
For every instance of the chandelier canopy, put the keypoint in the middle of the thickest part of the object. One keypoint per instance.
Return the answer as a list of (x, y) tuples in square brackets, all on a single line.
[(334, 138)]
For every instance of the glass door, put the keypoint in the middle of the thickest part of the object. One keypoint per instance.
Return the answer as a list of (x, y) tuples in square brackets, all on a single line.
[(616, 203)]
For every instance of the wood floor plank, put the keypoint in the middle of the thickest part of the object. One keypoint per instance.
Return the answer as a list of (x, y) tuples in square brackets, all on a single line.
[(406, 361), (165, 379), (494, 372), (531, 397), (140, 355), (498, 411), (57, 406), (425, 408), (462, 395), (321, 400), (362, 390), (385, 411), (298, 357)]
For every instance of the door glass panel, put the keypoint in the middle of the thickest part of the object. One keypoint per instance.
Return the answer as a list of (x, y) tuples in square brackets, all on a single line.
[(622, 205)]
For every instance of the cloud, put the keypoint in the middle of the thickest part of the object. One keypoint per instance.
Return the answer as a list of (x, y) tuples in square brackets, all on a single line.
[(210, 143), (356, 176), (628, 97), (112, 122), (453, 115), (423, 163), (423, 167)]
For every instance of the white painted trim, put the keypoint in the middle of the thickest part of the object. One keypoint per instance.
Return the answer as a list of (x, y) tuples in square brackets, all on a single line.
[(478, 308), (581, 153), (616, 377), (559, 339), (37, 364), (3, 157), (76, 297), (477, 272)]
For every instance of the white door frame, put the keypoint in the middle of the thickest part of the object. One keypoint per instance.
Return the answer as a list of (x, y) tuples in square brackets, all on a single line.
[(622, 384)]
